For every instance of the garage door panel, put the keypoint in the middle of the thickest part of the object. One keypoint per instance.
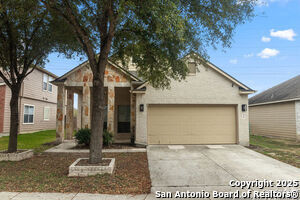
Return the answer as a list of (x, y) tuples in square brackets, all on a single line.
[(196, 124)]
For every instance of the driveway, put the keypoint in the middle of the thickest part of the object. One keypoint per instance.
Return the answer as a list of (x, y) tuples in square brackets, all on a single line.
[(211, 167)]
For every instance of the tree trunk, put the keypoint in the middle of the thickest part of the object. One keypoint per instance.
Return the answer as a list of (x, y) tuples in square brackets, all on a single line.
[(98, 107), (14, 118)]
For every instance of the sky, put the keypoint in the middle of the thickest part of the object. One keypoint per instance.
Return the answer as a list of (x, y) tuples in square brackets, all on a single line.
[(264, 51)]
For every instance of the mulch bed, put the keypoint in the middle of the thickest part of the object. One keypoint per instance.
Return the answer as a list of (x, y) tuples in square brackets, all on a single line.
[(18, 151), (113, 146), (85, 162), (48, 173)]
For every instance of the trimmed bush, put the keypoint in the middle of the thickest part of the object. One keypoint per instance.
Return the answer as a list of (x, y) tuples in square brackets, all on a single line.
[(83, 136), (107, 138)]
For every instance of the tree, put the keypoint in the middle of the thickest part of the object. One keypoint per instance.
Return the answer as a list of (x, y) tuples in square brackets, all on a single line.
[(27, 35), (154, 33)]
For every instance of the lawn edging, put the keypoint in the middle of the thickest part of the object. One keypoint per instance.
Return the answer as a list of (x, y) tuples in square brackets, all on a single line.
[(82, 171), (25, 154)]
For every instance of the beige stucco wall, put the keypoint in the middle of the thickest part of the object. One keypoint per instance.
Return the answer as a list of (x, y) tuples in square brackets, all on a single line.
[(206, 87), (32, 93), (297, 110), (274, 120)]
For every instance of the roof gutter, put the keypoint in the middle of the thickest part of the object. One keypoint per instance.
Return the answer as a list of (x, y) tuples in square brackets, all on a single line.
[(272, 102)]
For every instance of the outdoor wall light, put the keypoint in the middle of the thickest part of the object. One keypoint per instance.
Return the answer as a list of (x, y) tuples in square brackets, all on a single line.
[(244, 107), (141, 107)]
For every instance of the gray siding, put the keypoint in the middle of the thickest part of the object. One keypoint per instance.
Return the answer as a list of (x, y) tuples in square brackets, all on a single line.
[(274, 120)]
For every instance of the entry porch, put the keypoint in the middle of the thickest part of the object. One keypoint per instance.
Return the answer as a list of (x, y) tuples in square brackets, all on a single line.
[(74, 103)]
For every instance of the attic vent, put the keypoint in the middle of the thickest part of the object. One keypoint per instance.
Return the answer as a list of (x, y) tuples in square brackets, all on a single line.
[(192, 67)]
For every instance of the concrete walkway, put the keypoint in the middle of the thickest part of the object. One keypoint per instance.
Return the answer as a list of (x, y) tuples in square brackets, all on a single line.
[(70, 196), (211, 167), (68, 147)]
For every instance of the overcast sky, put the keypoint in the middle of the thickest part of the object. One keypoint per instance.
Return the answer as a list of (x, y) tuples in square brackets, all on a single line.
[(265, 51)]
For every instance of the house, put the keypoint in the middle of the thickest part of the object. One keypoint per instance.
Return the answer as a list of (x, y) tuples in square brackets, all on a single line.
[(276, 111), (37, 103), (209, 107)]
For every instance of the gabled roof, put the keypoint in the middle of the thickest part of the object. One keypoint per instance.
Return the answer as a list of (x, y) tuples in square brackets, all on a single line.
[(243, 88), (64, 77), (46, 71), (286, 91)]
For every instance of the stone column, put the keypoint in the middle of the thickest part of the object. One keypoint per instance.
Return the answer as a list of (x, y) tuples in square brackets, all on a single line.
[(110, 108), (79, 107), (69, 114), (132, 113), (60, 113), (86, 107)]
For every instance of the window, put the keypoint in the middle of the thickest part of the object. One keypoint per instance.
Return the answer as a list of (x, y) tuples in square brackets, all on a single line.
[(28, 114), (46, 113), (192, 67), (45, 81), (124, 119), (47, 86)]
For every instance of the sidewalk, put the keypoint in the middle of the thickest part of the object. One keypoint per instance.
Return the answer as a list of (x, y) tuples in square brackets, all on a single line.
[(70, 196), (68, 147)]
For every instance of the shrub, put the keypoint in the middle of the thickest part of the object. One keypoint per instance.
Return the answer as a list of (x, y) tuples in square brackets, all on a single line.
[(83, 136), (107, 138)]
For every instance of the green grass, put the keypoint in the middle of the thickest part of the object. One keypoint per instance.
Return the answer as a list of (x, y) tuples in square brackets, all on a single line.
[(31, 140), (287, 151)]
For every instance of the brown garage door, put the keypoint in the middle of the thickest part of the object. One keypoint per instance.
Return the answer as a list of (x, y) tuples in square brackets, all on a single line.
[(191, 124)]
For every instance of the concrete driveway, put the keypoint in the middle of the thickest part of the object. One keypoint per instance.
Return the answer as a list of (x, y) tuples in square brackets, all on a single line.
[(211, 167)]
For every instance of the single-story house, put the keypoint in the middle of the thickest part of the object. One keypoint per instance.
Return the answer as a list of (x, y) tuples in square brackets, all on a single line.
[(209, 107), (276, 111), (37, 103)]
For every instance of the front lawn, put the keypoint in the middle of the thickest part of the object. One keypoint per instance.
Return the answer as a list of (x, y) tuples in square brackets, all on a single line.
[(287, 151), (47, 172), (36, 141)]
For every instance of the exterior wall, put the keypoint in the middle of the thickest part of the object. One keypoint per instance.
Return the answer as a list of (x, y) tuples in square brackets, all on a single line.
[(33, 88), (38, 121), (6, 123), (297, 110), (32, 93), (206, 87), (273, 120), (84, 77), (2, 106)]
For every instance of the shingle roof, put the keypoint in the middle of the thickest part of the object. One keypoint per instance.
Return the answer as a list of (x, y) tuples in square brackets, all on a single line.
[(287, 90)]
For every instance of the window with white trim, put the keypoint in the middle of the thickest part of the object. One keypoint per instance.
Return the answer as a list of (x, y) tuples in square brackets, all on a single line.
[(45, 82), (47, 85), (46, 113), (28, 114)]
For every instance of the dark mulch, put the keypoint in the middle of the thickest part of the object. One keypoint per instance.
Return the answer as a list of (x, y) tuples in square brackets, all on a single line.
[(113, 146), (18, 151), (85, 162), (48, 173)]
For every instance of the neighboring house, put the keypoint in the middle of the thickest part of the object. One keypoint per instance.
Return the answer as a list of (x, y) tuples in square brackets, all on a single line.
[(37, 103), (209, 107), (276, 111)]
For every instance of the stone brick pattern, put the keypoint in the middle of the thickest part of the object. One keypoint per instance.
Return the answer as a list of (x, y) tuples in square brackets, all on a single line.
[(16, 156), (83, 171)]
